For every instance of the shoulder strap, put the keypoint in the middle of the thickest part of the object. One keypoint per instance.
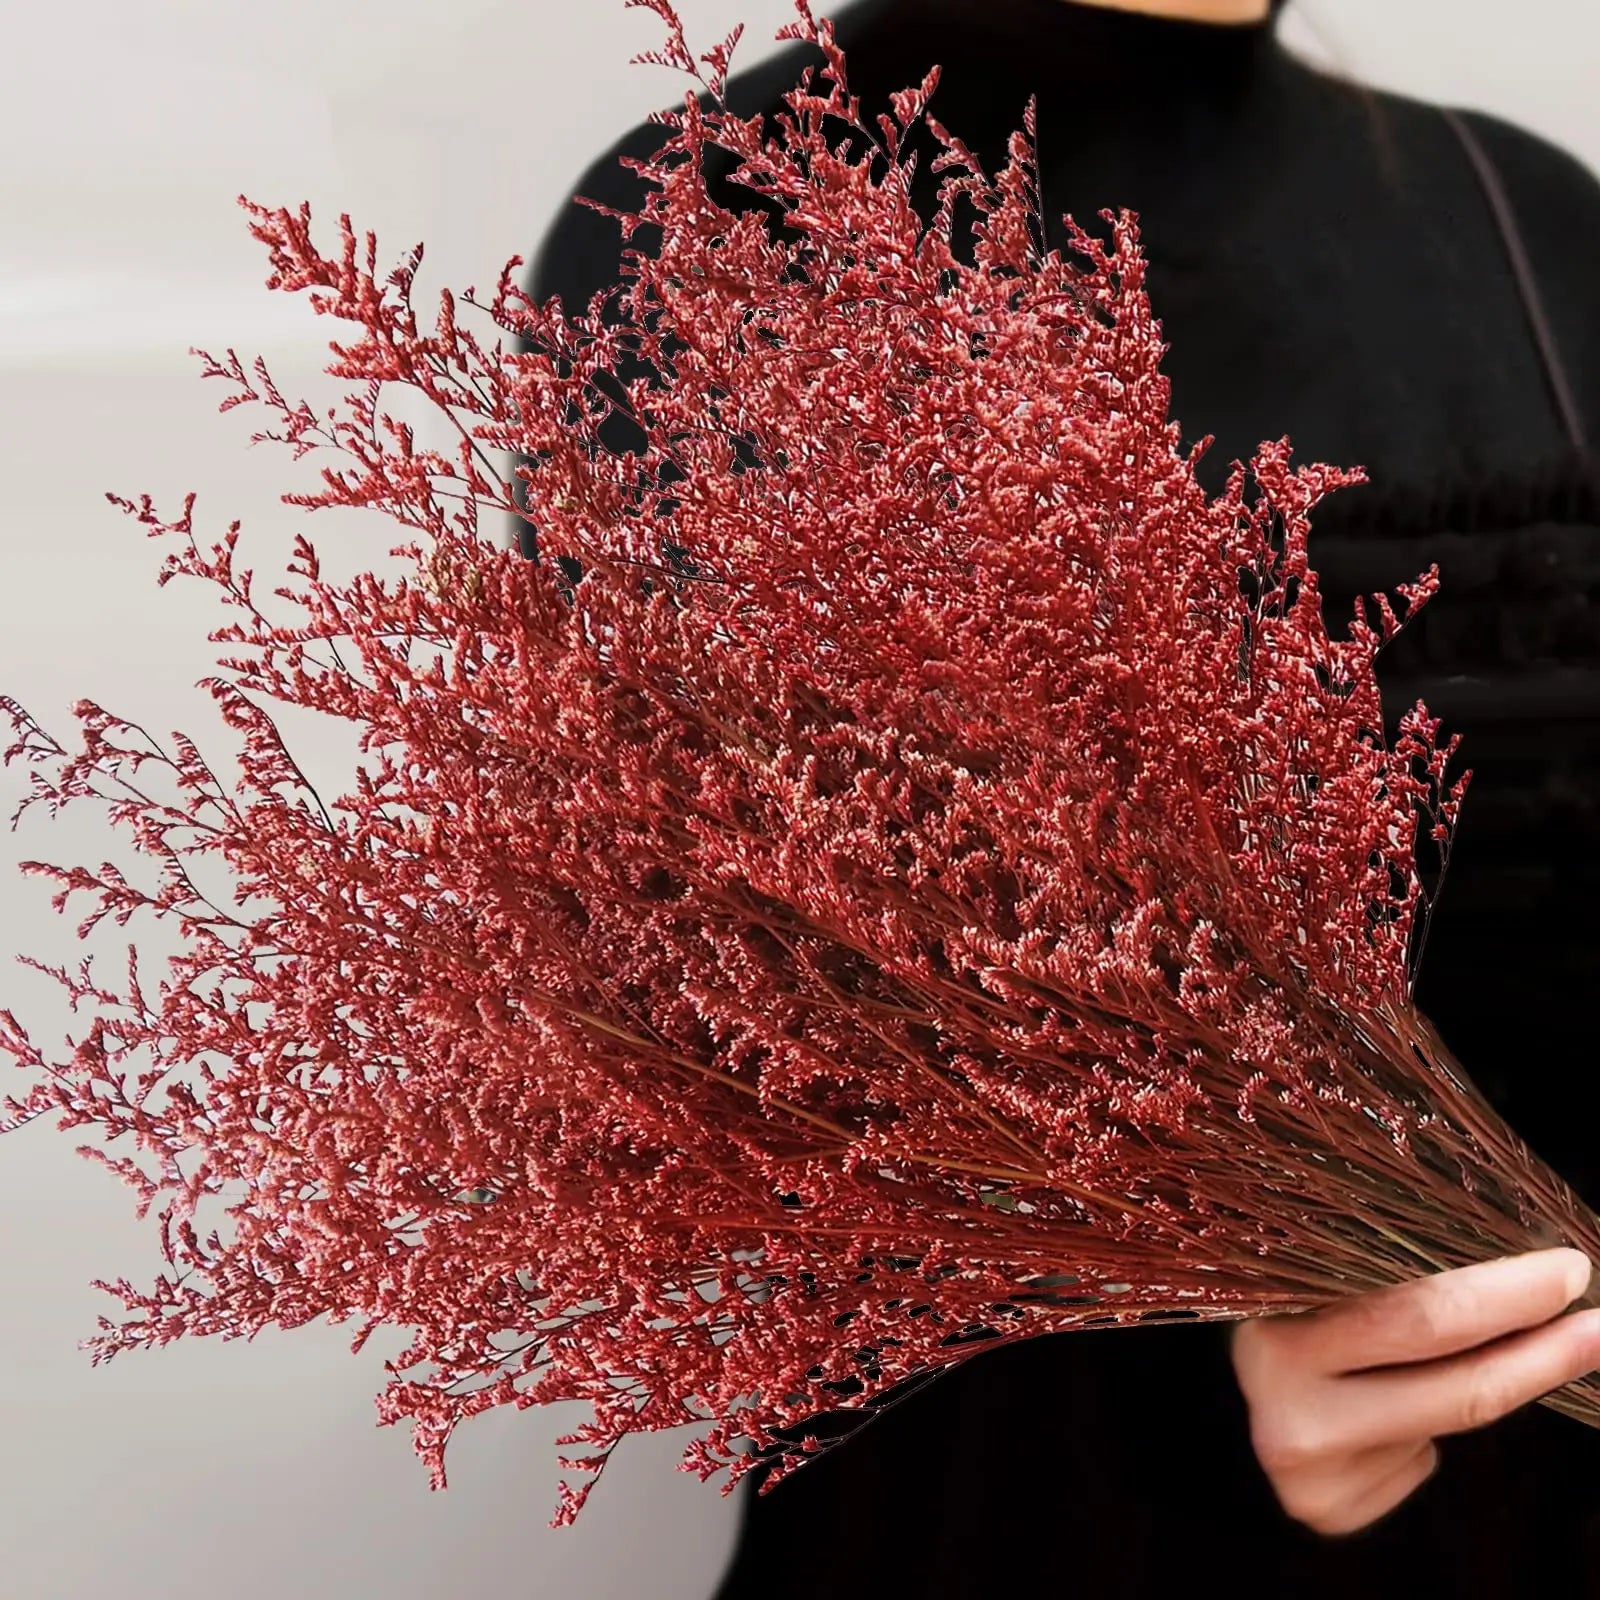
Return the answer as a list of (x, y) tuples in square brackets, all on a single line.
[(1527, 286)]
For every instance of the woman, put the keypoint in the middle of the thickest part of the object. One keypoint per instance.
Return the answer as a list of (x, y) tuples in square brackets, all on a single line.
[(1412, 291)]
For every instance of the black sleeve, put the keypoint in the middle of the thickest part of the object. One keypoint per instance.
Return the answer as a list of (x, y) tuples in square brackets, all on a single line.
[(581, 255), (1556, 200), (581, 252)]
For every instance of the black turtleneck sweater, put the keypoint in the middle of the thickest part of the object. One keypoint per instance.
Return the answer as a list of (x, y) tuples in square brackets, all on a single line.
[(1327, 264)]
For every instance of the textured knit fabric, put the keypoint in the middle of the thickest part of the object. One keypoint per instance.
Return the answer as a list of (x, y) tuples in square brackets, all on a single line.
[(1327, 265)]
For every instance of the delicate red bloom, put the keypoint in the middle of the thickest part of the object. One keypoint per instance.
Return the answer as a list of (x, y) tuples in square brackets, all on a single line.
[(934, 879)]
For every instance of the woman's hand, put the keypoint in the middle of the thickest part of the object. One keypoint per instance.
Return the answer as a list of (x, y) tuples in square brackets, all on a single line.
[(1345, 1403)]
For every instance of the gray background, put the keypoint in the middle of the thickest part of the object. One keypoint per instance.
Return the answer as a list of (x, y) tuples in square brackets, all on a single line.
[(128, 126)]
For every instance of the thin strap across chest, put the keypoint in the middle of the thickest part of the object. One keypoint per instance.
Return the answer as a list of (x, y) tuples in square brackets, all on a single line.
[(1527, 285)]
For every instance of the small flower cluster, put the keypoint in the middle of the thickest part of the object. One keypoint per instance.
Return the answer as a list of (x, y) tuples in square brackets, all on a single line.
[(919, 872)]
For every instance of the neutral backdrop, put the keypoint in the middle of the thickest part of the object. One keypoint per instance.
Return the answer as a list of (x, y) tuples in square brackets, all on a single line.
[(128, 127)]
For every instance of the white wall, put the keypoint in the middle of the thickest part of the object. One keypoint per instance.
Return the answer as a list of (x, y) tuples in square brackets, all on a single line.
[(128, 127)]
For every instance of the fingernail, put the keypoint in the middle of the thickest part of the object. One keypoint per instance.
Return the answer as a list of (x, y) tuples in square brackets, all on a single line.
[(1579, 1272), (1587, 1325)]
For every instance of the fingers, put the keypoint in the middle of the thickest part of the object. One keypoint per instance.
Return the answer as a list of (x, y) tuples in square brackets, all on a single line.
[(1386, 1492), (1345, 1403), (1367, 1490), (1468, 1391), (1437, 1316)]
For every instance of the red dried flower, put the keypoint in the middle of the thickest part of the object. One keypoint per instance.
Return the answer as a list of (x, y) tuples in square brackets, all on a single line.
[(932, 879)]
